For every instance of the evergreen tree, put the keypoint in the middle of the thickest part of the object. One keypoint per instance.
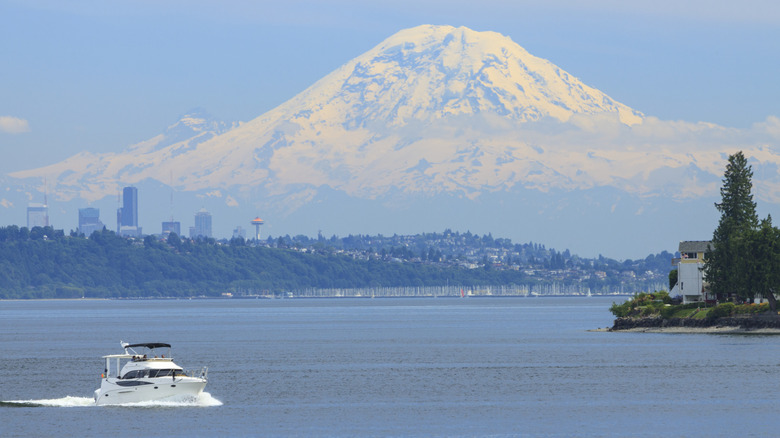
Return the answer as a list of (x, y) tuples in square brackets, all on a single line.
[(758, 266), (672, 278), (738, 216)]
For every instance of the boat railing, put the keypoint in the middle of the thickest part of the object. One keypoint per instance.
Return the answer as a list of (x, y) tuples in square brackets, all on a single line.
[(201, 373)]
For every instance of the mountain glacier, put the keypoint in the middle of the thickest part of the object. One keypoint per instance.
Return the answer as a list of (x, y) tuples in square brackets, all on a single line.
[(435, 127)]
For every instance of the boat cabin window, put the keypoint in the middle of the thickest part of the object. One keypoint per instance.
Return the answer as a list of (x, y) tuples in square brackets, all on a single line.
[(160, 373), (135, 374), (139, 374)]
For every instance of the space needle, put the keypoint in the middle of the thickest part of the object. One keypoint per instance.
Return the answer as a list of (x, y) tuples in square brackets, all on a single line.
[(257, 222)]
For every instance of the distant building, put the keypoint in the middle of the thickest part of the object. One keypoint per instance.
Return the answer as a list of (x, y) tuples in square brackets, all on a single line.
[(690, 272), (37, 215), (202, 226), (130, 231), (257, 222), (89, 221), (127, 215), (171, 227), (239, 231), (130, 207)]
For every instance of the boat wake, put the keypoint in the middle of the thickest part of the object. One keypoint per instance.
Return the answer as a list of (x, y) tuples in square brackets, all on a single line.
[(65, 402), (203, 400)]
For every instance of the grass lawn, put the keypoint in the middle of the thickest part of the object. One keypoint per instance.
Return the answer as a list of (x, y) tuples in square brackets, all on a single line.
[(684, 313)]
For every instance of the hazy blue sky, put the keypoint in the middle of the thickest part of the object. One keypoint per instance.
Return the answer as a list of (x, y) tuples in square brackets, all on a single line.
[(101, 75)]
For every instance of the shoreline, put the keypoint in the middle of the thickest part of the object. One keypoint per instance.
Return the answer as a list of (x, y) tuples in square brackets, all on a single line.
[(306, 297), (760, 324), (718, 330)]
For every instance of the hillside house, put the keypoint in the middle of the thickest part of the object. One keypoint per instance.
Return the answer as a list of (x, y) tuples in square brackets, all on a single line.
[(690, 272)]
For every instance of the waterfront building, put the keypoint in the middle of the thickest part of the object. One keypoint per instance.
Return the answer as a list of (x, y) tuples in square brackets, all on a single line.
[(89, 221), (690, 272), (37, 215)]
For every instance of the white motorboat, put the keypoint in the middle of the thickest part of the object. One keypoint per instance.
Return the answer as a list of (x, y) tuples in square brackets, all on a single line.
[(146, 372)]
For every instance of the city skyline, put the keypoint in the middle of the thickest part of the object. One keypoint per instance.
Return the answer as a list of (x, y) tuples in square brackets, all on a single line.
[(89, 220)]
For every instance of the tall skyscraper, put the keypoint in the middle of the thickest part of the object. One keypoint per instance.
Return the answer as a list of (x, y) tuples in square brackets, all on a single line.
[(37, 215), (130, 207), (202, 226), (127, 215), (89, 221)]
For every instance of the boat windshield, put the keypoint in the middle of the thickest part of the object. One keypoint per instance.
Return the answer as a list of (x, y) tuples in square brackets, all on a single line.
[(140, 374)]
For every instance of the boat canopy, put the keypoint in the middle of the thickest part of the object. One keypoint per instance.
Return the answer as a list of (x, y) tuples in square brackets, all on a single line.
[(150, 345)]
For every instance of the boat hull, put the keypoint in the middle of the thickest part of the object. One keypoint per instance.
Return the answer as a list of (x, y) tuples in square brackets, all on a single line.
[(117, 392)]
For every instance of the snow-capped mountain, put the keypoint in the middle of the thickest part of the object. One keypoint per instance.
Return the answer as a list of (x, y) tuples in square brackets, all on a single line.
[(411, 114), (431, 115)]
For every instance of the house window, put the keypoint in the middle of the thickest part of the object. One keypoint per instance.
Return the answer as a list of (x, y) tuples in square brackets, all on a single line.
[(690, 255)]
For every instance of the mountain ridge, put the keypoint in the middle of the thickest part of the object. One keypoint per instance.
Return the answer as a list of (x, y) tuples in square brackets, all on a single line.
[(373, 107), (437, 119)]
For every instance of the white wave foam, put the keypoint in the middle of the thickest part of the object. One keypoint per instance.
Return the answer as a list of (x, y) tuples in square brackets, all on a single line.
[(64, 402), (203, 400)]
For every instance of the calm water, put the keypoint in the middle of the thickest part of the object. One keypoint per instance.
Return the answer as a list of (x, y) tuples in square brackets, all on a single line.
[(386, 367)]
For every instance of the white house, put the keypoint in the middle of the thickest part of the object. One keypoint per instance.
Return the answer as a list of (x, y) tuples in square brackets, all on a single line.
[(690, 272)]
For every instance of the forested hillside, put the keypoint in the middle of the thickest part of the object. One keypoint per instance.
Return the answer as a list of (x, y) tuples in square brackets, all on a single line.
[(46, 263)]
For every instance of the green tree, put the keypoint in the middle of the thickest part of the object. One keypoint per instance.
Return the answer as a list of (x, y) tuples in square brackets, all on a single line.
[(174, 240), (672, 278), (738, 216), (758, 268)]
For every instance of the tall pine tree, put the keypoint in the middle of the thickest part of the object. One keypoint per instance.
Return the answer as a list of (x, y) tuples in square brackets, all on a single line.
[(738, 217)]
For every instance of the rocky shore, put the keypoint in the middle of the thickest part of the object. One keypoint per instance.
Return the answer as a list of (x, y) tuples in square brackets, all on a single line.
[(759, 324)]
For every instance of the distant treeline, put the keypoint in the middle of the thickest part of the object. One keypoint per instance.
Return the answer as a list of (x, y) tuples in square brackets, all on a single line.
[(452, 246), (46, 263)]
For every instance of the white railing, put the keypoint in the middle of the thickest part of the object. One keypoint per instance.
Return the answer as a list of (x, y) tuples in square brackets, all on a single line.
[(198, 373)]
